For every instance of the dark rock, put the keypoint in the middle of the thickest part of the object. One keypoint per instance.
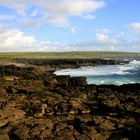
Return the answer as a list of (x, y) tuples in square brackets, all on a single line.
[(41, 105)]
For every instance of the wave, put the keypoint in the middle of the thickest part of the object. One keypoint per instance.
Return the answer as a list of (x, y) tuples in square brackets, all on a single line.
[(97, 71), (108, 81), (135, 62), (123, 69), (108, 74)]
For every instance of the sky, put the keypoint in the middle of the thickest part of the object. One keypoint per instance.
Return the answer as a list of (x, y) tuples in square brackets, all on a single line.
[(69, 25)]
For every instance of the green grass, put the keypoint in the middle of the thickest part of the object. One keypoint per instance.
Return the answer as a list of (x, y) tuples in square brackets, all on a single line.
[(66, 55), (45, 55)]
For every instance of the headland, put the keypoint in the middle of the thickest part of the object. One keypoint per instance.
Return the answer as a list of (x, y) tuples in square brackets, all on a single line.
[(36, 104)]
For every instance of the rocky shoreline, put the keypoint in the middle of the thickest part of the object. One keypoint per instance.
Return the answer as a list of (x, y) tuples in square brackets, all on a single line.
[(70, 63), (35, 104)]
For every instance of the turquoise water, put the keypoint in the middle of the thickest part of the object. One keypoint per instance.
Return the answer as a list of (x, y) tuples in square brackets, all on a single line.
[(109, 74)]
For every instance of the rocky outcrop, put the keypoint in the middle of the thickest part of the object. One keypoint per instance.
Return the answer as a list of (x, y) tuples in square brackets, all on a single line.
[(27, 72), (40, 105), (71, 81), (31, 110), (70, 63)]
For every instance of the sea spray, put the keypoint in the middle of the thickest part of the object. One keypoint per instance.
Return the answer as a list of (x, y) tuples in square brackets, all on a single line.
[(108, 74)]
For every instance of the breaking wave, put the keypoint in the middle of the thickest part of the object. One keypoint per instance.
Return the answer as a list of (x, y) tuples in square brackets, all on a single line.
[(109, 74)]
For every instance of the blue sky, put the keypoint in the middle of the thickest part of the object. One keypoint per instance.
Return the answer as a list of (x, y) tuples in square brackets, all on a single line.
[(70, 25)]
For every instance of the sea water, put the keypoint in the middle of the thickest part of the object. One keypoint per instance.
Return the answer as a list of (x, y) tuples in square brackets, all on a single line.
[(107, 74)]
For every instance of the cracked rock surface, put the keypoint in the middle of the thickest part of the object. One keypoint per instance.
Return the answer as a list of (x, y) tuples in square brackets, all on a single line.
[(56, 108)]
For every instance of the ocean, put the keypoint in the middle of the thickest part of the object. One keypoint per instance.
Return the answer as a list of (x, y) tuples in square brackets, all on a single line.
[(107, 74)]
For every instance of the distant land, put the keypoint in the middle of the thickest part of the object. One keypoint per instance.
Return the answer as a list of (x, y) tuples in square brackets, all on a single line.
[(68, 55), (37, 104)]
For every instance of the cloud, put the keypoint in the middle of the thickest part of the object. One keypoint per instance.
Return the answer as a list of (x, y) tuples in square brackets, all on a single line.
[(58, 20), (2, 28), (54, 11), (102, 37), (135, 30), (135, 26), (15, 40), (19, 6), (67, 8), (31, 23)]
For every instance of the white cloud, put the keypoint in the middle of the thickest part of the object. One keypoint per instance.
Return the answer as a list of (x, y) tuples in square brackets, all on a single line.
[(135, 26), (2, 28), (55, 11), (15, 40), (59, 13), (102, 37), (69, 7), (58, 19), (31, 23), (19, 6)]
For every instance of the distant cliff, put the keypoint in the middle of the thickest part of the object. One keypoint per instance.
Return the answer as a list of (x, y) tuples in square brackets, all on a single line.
[(66, 63)]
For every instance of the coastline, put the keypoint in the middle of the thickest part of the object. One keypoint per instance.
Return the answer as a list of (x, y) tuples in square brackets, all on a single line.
[(36, 104)]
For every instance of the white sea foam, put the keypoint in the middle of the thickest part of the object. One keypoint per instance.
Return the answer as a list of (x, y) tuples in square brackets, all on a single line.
[(84, 71), (109, 74), (96, 71), (135, 62), (123, 69)]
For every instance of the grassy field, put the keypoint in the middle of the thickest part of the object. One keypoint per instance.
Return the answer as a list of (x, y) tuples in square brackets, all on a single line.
[(68, 55)]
